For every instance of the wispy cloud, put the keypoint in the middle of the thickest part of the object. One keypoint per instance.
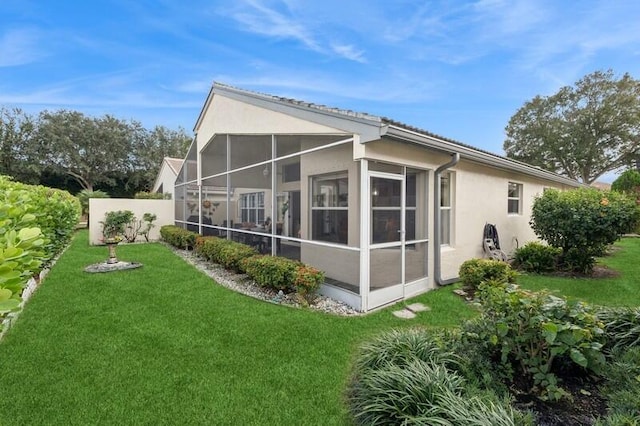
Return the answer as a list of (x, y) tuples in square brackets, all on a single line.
[(349, 51), (19, 47), (282, 23)]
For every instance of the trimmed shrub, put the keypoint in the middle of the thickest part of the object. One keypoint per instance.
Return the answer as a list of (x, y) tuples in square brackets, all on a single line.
[(532, 334), (536, 257), (273, 272), (178, 237), (307, 282), (477, 271), (231, 255), (628, 182), (144, 195), (582, 223)]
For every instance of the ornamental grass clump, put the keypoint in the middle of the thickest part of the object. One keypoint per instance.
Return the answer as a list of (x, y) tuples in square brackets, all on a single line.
[(413, 377), (536, 257)]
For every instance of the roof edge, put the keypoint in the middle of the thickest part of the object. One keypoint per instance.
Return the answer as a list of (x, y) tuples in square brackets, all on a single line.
[(473, 154)]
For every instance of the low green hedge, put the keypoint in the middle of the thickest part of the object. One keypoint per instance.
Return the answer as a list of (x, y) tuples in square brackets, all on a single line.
[(178, 237), (278, 273)]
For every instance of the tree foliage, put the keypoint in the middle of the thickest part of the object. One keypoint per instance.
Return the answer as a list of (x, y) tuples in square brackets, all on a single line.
[(581, 132), (18, 156), (628, 182), (67, 147)]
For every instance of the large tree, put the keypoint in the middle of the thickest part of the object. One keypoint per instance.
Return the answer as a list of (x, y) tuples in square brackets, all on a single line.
[(91, 150), (581, 132), (19, 155)]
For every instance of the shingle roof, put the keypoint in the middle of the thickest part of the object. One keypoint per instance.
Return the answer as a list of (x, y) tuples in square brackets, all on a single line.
[(174, 163)]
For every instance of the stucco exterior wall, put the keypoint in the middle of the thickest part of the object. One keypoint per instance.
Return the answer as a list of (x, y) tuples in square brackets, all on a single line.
[(479, 196), (166, 179), (163, 209), (236, 117)]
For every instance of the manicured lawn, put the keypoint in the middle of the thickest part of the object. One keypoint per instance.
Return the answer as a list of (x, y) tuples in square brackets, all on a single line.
[(623, 290), (164, 345)]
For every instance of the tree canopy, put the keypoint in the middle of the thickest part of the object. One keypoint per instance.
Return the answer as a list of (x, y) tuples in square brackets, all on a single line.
[(581, 132), (104, 151)]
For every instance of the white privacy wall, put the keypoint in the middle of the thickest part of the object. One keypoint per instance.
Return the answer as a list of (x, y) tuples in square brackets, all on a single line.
[(98, 207)]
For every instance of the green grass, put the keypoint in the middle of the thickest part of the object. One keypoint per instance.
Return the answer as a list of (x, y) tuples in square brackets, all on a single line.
[(623, 290), (164, 345)]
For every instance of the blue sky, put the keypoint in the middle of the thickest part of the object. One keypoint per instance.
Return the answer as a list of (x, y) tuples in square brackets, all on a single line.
[(456, 68)]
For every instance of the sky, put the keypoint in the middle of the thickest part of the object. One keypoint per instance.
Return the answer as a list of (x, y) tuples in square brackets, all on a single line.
[(459, 69)]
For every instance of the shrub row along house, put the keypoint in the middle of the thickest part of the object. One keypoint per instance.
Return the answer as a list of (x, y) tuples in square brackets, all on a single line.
[(388, 211)]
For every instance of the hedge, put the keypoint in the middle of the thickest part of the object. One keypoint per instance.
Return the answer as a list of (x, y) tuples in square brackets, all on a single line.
[(178, 237), (36, 223)]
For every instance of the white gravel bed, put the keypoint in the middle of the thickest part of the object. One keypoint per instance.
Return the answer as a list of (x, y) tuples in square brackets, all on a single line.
[(243, 284)]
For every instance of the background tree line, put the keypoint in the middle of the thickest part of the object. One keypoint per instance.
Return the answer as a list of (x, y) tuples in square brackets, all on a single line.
[(69, 150)]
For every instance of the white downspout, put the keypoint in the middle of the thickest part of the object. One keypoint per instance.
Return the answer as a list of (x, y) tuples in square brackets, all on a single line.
[(437, 268)]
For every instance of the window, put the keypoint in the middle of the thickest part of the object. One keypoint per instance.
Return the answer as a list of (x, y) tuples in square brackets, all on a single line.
[(330, 208), (445, 209), (514, 198), (252, 207)]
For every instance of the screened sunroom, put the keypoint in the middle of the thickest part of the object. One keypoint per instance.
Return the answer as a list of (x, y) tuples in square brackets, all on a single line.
[(373, 203)]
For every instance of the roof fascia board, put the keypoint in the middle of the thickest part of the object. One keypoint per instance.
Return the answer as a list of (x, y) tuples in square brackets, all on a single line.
[(368, 129), (495, 161)]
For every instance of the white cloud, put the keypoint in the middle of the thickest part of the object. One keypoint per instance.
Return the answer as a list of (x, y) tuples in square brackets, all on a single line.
[(19, 47), (350, 52)]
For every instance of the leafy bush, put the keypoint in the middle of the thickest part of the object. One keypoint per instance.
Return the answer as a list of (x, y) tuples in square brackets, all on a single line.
[(115, 224), (307, 282), (536, 257), (532, 334), (628, 182), (477, 271), (582, 223), (55, 212), (273, 272), (410, 377), (178, 237)]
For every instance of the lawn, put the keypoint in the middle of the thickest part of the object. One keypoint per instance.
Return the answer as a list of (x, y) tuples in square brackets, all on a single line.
[(164, 345), (623, 290)]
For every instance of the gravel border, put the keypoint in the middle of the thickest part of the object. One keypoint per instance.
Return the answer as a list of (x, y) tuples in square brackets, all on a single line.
[(241, 283)]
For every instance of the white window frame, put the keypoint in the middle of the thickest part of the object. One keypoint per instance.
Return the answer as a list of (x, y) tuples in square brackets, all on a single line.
[(336, 207), (517, 198), (252, 202), (446, 237)]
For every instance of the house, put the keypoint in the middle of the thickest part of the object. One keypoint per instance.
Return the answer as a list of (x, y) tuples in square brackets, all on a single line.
[(167, 175), (387, 210)]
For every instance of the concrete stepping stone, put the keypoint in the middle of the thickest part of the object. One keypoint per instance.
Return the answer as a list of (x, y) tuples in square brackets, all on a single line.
[(404, 314), (417, 307)]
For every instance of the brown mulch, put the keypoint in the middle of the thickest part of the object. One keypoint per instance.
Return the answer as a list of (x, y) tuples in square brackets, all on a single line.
[(581, 408)]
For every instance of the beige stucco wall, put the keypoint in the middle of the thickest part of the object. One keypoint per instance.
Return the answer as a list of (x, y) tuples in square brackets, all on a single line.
[(479, 197), (164, 209), (167, 179), (236, 117)]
